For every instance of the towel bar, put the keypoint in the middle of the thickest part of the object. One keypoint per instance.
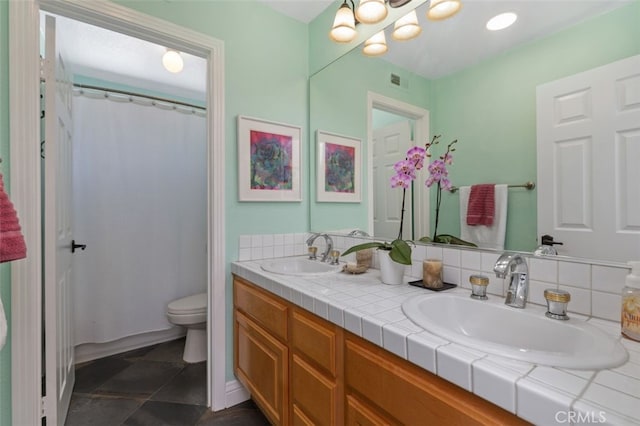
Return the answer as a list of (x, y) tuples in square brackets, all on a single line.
[(529, 185)]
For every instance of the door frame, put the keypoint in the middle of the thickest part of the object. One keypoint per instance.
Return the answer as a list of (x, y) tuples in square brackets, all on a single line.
[(26, 275), (421, 132)]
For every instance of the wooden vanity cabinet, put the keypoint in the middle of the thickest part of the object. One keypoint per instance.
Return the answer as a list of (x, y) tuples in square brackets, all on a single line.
[(303, 370)]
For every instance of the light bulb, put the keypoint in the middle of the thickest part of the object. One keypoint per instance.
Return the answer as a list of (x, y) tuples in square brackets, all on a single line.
[(344, 25), (443, 9), (371, 11), (406, 27), (376, 45), (172, 61)]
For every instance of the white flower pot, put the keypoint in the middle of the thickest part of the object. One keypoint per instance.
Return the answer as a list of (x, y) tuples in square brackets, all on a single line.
[(391, 272)]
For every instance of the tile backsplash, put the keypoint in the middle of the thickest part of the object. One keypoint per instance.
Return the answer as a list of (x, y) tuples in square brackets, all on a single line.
[(595, 289)]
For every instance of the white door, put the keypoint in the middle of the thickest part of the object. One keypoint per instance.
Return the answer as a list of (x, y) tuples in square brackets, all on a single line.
[(390, 145), (588, 151), (58, 235)]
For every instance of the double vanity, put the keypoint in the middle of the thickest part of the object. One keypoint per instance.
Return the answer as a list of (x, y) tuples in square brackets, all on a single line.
[(317, 346)]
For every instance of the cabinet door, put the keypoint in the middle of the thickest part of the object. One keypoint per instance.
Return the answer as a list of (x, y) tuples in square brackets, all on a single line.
[(313, 394), (261, 365)]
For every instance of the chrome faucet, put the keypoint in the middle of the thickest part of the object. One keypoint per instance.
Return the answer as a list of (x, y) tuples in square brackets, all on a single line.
[(514, 265), (328, 241)]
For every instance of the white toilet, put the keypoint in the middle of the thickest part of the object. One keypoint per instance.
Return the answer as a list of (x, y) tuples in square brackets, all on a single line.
[(191, 312)]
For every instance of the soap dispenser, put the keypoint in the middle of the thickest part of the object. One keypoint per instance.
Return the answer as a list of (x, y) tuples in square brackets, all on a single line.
[(546, 246), (630, 319)]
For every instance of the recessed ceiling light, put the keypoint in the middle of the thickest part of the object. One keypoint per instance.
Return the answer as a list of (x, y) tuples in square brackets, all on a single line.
[(502, 21)]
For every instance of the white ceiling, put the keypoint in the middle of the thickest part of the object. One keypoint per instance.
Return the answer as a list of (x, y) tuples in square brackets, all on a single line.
[(442, 48)]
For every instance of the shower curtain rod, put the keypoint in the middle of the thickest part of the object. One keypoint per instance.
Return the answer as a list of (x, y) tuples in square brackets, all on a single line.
[(124, 92)]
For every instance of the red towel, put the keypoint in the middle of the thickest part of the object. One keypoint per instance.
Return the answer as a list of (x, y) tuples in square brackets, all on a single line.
[(482, 205), (12, 245)]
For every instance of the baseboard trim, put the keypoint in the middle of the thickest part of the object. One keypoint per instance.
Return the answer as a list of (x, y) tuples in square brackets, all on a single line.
[(90, 351), (235, 393)]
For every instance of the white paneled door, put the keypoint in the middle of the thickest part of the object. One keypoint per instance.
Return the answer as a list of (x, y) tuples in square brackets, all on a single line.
[(58, 234), (390, 145), (588, 152)]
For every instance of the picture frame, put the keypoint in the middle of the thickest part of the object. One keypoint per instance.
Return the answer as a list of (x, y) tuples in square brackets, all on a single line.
[(268, 161), (339, 168)]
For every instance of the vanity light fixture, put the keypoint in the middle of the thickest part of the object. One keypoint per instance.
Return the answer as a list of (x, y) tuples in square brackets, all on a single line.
[(367, 12), (501, 21), (376, 45), (344, 24), (406, 27), (443, 9), (371, 11), (172, 61)]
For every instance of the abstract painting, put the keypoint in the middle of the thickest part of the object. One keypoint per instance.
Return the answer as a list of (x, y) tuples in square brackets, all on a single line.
[(338, 172), (268, 160)]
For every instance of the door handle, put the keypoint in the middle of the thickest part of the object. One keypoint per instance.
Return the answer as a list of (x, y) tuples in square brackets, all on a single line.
[(75, 246)]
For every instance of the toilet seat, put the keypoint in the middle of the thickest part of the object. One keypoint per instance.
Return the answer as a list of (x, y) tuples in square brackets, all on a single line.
[(195, 304)]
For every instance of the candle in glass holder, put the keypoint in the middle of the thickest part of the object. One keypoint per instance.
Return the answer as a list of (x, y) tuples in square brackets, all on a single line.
[(432, 273)]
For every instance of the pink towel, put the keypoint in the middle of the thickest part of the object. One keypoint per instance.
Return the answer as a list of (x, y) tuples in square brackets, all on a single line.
[(482, 205), (12, 245)]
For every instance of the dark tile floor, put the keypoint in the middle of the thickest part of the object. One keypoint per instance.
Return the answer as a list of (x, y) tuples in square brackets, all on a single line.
[(150, 386)]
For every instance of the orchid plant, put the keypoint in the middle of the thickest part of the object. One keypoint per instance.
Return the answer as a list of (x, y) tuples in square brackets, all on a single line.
[(400, 250), (439, 175)]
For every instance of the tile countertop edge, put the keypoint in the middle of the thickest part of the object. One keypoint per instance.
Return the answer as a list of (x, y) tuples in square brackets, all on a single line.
[(538, 394)]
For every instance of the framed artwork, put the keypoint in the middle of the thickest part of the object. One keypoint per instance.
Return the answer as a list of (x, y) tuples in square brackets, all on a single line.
[(339, 168), (268, 160)]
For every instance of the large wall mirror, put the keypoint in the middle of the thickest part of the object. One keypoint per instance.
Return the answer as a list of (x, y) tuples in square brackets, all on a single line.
[(475, 86)]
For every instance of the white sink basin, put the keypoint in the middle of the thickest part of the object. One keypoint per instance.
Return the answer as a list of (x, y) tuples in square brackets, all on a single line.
[(522, 334), (299, 266)]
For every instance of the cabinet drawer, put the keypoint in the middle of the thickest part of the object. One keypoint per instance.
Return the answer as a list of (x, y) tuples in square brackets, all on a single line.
[(313, 395), (316, 339), (409, 394), (262, 307)]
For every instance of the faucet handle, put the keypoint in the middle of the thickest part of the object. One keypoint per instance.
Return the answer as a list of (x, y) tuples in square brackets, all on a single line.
[(313, 251), (479, 285), (334, 255), (557, 301)]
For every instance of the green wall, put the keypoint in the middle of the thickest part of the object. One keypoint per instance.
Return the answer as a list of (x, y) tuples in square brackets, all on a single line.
[(491, 109), (5, 276), (339, 105)]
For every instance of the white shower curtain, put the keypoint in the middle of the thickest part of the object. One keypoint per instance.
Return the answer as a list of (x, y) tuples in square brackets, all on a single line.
[(139, 179)]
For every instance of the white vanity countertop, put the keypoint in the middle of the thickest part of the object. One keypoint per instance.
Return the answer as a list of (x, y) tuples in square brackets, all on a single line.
[(542, 395)]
